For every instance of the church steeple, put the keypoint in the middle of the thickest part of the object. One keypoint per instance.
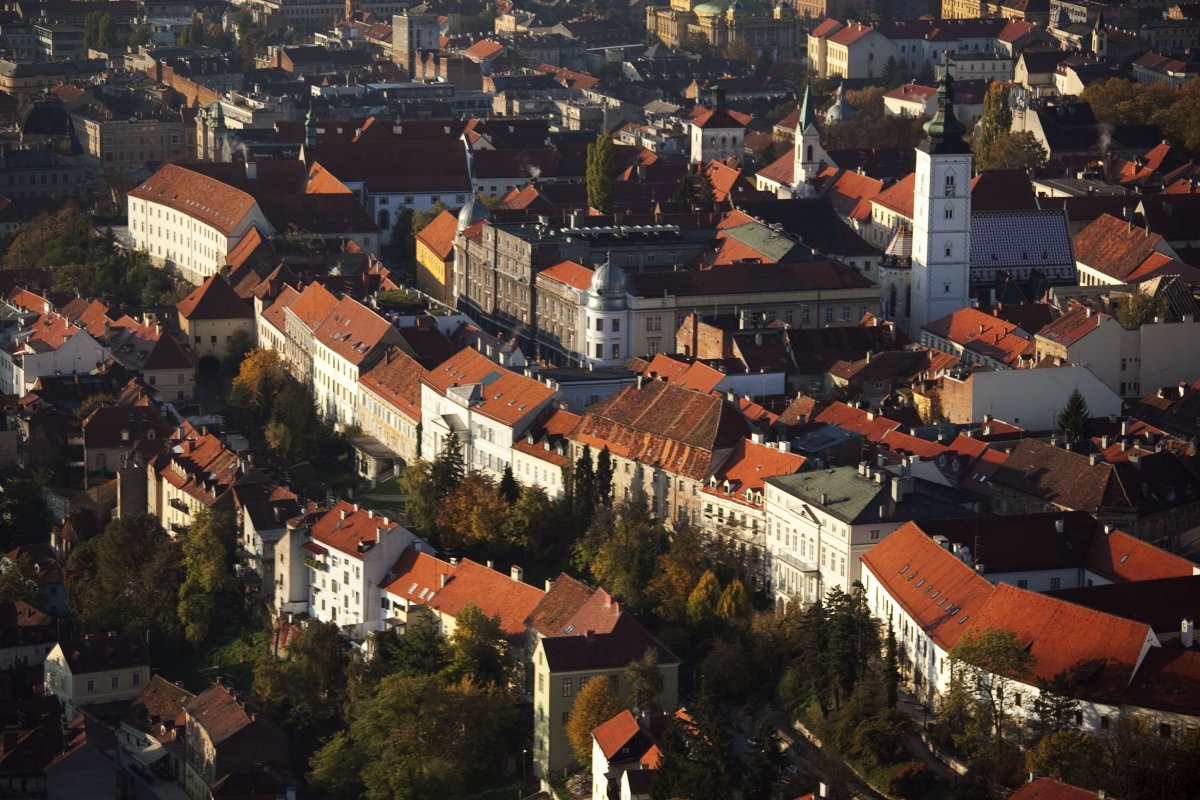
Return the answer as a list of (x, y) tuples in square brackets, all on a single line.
[(808, 157), (310, 129), (217, 120), (944, 133)]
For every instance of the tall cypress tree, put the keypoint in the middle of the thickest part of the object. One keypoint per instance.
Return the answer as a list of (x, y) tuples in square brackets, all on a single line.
[(585, 484), (448, 470), (891, 666), (1073, 418), (604, 478), (601, 173), (508, 485)]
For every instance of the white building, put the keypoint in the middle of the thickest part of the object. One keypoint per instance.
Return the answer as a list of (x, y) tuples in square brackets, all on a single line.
[(941, 239), (717, 133), (97, 669), (345, 344)]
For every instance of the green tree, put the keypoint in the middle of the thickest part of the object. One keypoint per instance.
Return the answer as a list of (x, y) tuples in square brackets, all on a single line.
[(336, 770), (601, 173), (1139, 308), (1053, 707), (895, 72), (510, 490), (764, 767), (420, 501), (532, 521), (306, 686), (679, 570), (996, 120), (99, 31), (473, 513), (626, 558), (703, 191), (1068, 755), (992, 663), (585, 484), (421, 650), (90, 404), (696, 755), (240, 343), (604, 478), (209, 589), (448, 470), (891, 666), (1073, 418), (1013, 150), (734, 602), (18, 581), (645, 681), (260, 379), (24, 516), (703, 602), (595, 704), (140, 35), (479, 649)]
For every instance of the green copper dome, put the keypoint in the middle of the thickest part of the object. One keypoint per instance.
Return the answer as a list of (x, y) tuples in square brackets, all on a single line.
[(944, 133)]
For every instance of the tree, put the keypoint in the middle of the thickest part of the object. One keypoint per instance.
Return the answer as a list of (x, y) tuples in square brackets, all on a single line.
[(926, 75), (474, 511), (1053, 707), (867, 103), (891, 666), (18, 581), (742, 50), (628, 552), (1074, 416), (913, 780), (992, 663), (734, 602), (448, 470), (260, 378), (140, 35), (585, 484), (127, 579), (99, 31), (479, 649), (696, 755), (335, 771), (645, 681), (209, 588), (1068, 755), (1013, 150), (306, 686), (604, 478), (420, 504), (765, 764), (703, 191), (595, 704), (601, 173), (679, 570), (90, 404), (532, 521), (240, 343), (895, 72), (702, 606), (1140, 308), (996, 120), (24, 516), (509, 488)]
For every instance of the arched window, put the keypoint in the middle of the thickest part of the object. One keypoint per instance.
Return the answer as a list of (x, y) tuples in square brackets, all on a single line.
[(946, 287), (949, 250), (949, 212), (809, 153), (949, 184)]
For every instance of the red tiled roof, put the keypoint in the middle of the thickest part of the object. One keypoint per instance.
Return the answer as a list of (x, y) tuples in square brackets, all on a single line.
[(273, 313), (1157, 264), (1114, 248), (396, 380), (1167, 680), (214, 299), (782, 170), (574, 275), (505, 396), (206, 199), (1072, 326), (313, 305), (616, 733), (492, 592), (695, 375), (1055, 475), (483, 50), (938, 591), (1050, 789), (912, 92), (1121, 557), (985, 334), (1099, 652), (346, 527), (438, 235), (417, 576), (547, 435), (899, 196), (749, 465), (870, 426), (826, 28), (571, 606), (719, 118), (352, 331), (851, 34)]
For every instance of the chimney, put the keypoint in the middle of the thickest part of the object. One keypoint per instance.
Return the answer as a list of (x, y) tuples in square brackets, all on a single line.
[(824, 499), (549, 585), (1059, 525), (639, 381), (1094, 459), (1135, 458), (251, 170), (757, 438), (442, 580), (491, 564), (516, 573)]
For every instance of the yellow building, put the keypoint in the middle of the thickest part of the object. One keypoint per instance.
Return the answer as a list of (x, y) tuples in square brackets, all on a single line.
[(435, 257), (211, 315), (772, 32), (97, 669)]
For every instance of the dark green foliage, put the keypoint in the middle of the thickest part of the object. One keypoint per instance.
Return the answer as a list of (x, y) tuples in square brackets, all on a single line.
[(891, 666), (448, 470), (1074, 416), (697, 759), (764, 767), (509, 488), (604, 479), (24, 516), (585, 485), (99, 31), (601, 173)]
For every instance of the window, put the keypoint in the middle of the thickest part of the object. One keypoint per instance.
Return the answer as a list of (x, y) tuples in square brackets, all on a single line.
[(949, 212), (654, 323), (1055, 583), (846, 313), (949, 184), (599, 324), (1103, 722), (616, 326), (91, 686), (616, 351), (137, 679), (1022, 584), (829, 314), (567, 687), (599, 350), (115, 682), (212, 340)]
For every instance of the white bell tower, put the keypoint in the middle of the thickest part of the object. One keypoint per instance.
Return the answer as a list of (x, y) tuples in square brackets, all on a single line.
[(941, 246), (808, 157)]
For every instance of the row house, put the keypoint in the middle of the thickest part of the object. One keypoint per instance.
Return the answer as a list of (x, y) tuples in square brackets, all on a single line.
[(821, 522), (389, 403), (484, 406), (263, 514), (348, 552), (166, 365), (349, 341), (975, 337), (39, 341), (665, 441), (931, 598), (542, 457), (97, 669), (229, 743), (288, 324)]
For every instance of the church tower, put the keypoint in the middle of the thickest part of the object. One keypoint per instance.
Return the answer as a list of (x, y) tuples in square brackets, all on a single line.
[(808, 157), (941, 257), (1100, 37)]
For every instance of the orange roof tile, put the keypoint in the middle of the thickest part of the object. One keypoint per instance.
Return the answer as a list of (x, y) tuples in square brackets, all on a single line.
[(695, 375), (247, 246), (352, 331), (504, 395), (439, 234), (417, 576), (1113, 247), (212, 202), (574, 275), (571, 607), (313, 305), (870, 426), (616, 733), (1072, 326), (1050, 789), (396, 380), (1121, 557), (899, 196), (273, 314), (748, 466), (346, 528), (938, 591), (491, 592), (214, 299), (547, 435), (322, 181)]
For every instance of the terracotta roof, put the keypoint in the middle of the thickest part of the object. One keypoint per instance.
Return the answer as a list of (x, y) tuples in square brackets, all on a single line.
[(1167, 680), (694, 375), (850, 192), (870, 426), (1121, 557), (396, 380), (439, 234), (214, 299), (93, 314), (548, 435), (899, 196), (273, 314), (504, 396), (105, 653), (492, 592), (1055, 475), (220, 713), (1110, 246), (912, 92), (1098, 651), (1050, 789), (350, 529), (352, 330), (205, 199), (938, 591), (748, 466), (159, 704), (483, 50), (313, 305), (826, 28), (570, 273), (571, 606), (1072, 326), (719, 118), (417, 576), (1157, 264), (851, 33), (104, 427), (616, 734), (662, 426), (583, 652)]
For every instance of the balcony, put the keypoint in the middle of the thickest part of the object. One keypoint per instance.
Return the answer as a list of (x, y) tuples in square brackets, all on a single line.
[(179, 506), (315, 564), (796, 563)]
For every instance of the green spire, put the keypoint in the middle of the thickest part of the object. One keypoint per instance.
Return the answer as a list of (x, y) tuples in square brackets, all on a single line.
[(217, 121), (944, 133), (310, 129), (807, 115)]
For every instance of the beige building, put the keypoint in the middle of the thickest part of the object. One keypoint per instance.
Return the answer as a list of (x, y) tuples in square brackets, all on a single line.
[(389, 403), (850, 52), (223, 737), (97, 669), (772, 32), (125, 142), (210, 317)]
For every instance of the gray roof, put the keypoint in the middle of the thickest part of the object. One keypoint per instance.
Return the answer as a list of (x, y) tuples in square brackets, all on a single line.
[(854, 499), (1018, 241)]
